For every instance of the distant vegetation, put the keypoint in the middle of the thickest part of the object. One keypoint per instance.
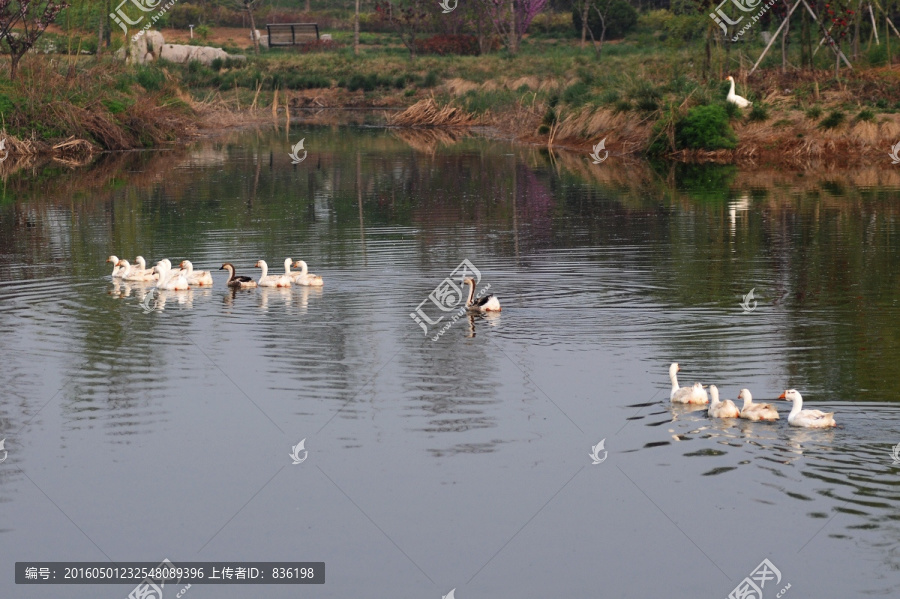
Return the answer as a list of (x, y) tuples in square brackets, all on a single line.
[(657, 84)]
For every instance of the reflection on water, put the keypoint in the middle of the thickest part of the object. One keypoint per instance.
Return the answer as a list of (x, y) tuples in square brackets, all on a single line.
[(606, 273)]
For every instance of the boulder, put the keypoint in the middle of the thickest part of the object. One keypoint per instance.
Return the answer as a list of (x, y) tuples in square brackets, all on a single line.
[(154, 41)]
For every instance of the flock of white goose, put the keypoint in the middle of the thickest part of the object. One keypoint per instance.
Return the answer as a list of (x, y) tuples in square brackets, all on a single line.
[(165, 277), (696, 394)]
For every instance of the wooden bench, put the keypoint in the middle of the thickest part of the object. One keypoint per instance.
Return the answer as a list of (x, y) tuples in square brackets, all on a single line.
[(291, 34)]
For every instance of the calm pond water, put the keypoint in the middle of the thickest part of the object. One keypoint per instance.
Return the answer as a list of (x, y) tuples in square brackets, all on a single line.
[(460, 462)]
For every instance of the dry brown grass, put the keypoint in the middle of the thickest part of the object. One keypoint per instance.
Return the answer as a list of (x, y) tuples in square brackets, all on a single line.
[(427, 113)]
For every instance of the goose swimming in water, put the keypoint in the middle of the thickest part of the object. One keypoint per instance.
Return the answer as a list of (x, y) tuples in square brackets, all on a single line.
[(304, 277), (169, 280), (267, 280), (237, 281), (806, 418), (694, 394), (756, 411), (195, 277), (487, 303), (136, 272), (117, 270), (721, 409)]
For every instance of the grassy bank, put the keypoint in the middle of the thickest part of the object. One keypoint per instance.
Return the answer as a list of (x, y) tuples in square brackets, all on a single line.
[(649, 94)]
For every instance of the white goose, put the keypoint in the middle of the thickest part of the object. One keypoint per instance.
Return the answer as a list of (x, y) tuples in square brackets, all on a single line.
[(694, 394), (304, 277), (171, 281), (806, 418), (136, 272), (195, 277), (734, 98), (267, 280), (487, 303), (140, 272), (117, 270), (756, 411), (721, 409)]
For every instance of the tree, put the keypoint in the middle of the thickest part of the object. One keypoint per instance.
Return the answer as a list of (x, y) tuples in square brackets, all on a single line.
[(511, 18), (32, 16), (406, 17)]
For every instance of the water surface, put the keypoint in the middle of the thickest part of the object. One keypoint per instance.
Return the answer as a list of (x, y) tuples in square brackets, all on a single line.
[(460, 462)]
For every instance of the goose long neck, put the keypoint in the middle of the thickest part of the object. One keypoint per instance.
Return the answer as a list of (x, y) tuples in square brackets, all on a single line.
[(304, 269), (287, 266), (188, 268), (798, 405), (163, 271), (140, 261), (731, 93), (471, 293), (265, 270), (230, 270), (673, 376)]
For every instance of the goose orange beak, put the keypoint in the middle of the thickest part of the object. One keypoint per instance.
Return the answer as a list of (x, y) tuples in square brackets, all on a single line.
[(782, 396)]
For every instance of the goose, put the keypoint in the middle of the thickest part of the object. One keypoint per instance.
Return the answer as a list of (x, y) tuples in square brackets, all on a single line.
[(734, 98), (140, 263), (694, 394), (304, 277), (721, 409), (267, 280), (137, 272), (487, 303), (806, 418), (236, 281), (195, 277), (125, 270), (117, 270), (756, 411), (171, 281)]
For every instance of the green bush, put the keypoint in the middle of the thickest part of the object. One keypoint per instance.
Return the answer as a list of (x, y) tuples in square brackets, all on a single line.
[(758, 113), (621, 18), (705, 128), (150, 78), (181, 15), (814, 112), (6, 105), (431, 79), (203, 32), (865, 115), (576, 93), (834, 118)]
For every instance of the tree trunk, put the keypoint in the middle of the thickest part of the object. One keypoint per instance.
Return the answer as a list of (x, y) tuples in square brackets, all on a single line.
[(784, 43), (100, 36), (513, 39), (252, 26), (307, 6), (584, 22), (14, 59), (355, 27)]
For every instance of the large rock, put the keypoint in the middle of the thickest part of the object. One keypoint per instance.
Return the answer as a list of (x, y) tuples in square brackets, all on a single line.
[(151, 45)]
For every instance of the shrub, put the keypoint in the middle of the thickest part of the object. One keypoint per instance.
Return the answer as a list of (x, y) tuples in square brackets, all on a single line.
[(834, 118), (705, 128), (203, 32), (620, 19), (181, 15), (463, 45), (576, 93), (150, 78), (758, 113), (431, 79), (865, 115), (814, 112)]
